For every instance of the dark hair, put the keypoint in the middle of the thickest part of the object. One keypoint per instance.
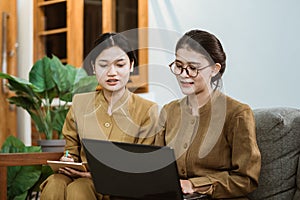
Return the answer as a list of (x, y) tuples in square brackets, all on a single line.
[(208, 45), (105, 41)]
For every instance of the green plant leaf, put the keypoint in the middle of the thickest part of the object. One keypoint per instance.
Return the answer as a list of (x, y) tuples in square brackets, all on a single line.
[(18, 84), (64, 78), (12, 145), (28, 103), (42, 124), (49, 79), (85, 84), (20, 178), (21, 196), (40, 74), (80, 73), (58, 118)]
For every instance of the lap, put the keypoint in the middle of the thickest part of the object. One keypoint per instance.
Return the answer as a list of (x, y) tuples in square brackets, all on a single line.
[(69, 188)]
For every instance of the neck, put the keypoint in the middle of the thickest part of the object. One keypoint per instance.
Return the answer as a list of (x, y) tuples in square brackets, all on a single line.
[(196, 101), (113, 96)]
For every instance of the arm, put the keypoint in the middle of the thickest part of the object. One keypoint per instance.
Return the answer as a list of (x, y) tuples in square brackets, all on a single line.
[(73, 147), (147, 130), (160, 128), (69, 131), (242, 178)]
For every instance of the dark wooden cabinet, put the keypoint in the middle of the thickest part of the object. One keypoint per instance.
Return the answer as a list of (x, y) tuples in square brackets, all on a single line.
[(58, 30), (68, 28)]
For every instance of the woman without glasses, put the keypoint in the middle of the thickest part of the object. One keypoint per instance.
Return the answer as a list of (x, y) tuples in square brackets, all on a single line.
[(112, 113)]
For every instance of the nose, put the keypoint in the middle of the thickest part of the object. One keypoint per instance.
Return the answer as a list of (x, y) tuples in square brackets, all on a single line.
[(184, 73), (112, 70)]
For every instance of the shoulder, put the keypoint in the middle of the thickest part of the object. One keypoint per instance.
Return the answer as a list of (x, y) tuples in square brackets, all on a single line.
[(84, 102), (173, 107), (139, 101), (141, 107), (84, 96), (236, 108), (237, 105)]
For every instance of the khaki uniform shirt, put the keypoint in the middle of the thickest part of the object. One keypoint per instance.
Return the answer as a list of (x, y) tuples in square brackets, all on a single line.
[(216, 146), (131, 119)]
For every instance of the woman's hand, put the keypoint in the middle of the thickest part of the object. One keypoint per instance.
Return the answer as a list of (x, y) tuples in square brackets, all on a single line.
[(186, 186), (74, 173), (67, 158)]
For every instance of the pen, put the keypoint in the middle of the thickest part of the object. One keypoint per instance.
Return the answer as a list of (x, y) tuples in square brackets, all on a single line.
[(67, 153)]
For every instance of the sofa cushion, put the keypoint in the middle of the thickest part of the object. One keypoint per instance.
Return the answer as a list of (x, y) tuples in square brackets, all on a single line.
[(297, 194), (278, 138)]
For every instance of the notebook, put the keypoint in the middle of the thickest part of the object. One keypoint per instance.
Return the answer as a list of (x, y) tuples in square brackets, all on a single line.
[(134, 171), (55, 165)]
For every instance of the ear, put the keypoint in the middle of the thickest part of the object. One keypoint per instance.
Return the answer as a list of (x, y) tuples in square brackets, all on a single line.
[(132, 66), (215, 69)]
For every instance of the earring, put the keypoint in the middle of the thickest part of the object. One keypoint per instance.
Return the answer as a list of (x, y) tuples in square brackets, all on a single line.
[(93, 67)]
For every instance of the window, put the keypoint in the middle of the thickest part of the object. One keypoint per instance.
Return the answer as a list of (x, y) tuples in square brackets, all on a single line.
[(68, 28)]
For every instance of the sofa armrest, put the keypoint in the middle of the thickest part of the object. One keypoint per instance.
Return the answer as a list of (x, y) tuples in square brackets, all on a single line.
[(278, 138)]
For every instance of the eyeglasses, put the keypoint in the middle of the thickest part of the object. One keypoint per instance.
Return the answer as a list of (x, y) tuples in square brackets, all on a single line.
[(191, 69)]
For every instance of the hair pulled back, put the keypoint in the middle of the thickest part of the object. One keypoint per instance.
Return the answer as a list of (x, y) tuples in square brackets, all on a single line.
[(208, 45)]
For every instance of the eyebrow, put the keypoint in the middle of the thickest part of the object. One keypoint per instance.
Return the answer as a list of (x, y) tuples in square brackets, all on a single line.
[(189, 62), (117, 60)]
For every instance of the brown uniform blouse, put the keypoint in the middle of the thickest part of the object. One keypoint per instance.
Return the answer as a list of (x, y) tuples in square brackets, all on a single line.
[(131, 120), (217, 147)]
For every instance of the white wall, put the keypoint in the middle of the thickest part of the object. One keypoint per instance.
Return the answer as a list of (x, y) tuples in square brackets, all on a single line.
[(261, 39), (25, 55)]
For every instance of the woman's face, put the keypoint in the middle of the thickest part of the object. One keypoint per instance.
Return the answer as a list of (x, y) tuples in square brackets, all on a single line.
[(112, 68), (199, 84)]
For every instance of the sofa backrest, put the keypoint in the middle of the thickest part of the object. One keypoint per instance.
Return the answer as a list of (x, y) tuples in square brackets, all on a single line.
[(278, 138)]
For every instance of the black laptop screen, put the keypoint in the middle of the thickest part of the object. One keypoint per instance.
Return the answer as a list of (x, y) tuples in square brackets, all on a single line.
[(132, 170)]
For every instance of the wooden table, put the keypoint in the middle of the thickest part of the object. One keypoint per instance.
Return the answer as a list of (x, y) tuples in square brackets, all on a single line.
[(22, 159)]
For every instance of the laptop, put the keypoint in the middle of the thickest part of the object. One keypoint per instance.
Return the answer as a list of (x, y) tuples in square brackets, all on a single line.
[(134, 171)]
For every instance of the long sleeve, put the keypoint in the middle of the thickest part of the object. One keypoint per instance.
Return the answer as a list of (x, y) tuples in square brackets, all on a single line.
[(132, 120), (147, 130), (70, 133), (160, 129), (242, 177), (216, 147)]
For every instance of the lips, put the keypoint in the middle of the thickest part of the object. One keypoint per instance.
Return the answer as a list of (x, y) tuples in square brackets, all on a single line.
[(186, 83), (112, 81)]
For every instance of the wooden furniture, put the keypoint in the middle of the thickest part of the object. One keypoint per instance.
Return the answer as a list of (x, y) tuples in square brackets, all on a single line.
[(62, 27), (117, 18), (22, 159), (8, 60), (58, 29)]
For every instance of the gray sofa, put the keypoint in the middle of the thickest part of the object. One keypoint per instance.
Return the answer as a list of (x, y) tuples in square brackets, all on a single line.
[(278, 137)]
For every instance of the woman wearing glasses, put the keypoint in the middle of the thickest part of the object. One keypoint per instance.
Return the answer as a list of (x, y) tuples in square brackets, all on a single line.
[(212, 134)]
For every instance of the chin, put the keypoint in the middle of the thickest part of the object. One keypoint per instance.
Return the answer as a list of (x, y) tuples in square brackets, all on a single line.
[(188, 91), (112, 88)]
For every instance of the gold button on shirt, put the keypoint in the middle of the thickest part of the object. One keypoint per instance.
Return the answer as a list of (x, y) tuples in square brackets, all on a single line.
[(185, 145)]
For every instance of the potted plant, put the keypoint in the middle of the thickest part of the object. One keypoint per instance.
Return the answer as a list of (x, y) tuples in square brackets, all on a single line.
[(49, 79)]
